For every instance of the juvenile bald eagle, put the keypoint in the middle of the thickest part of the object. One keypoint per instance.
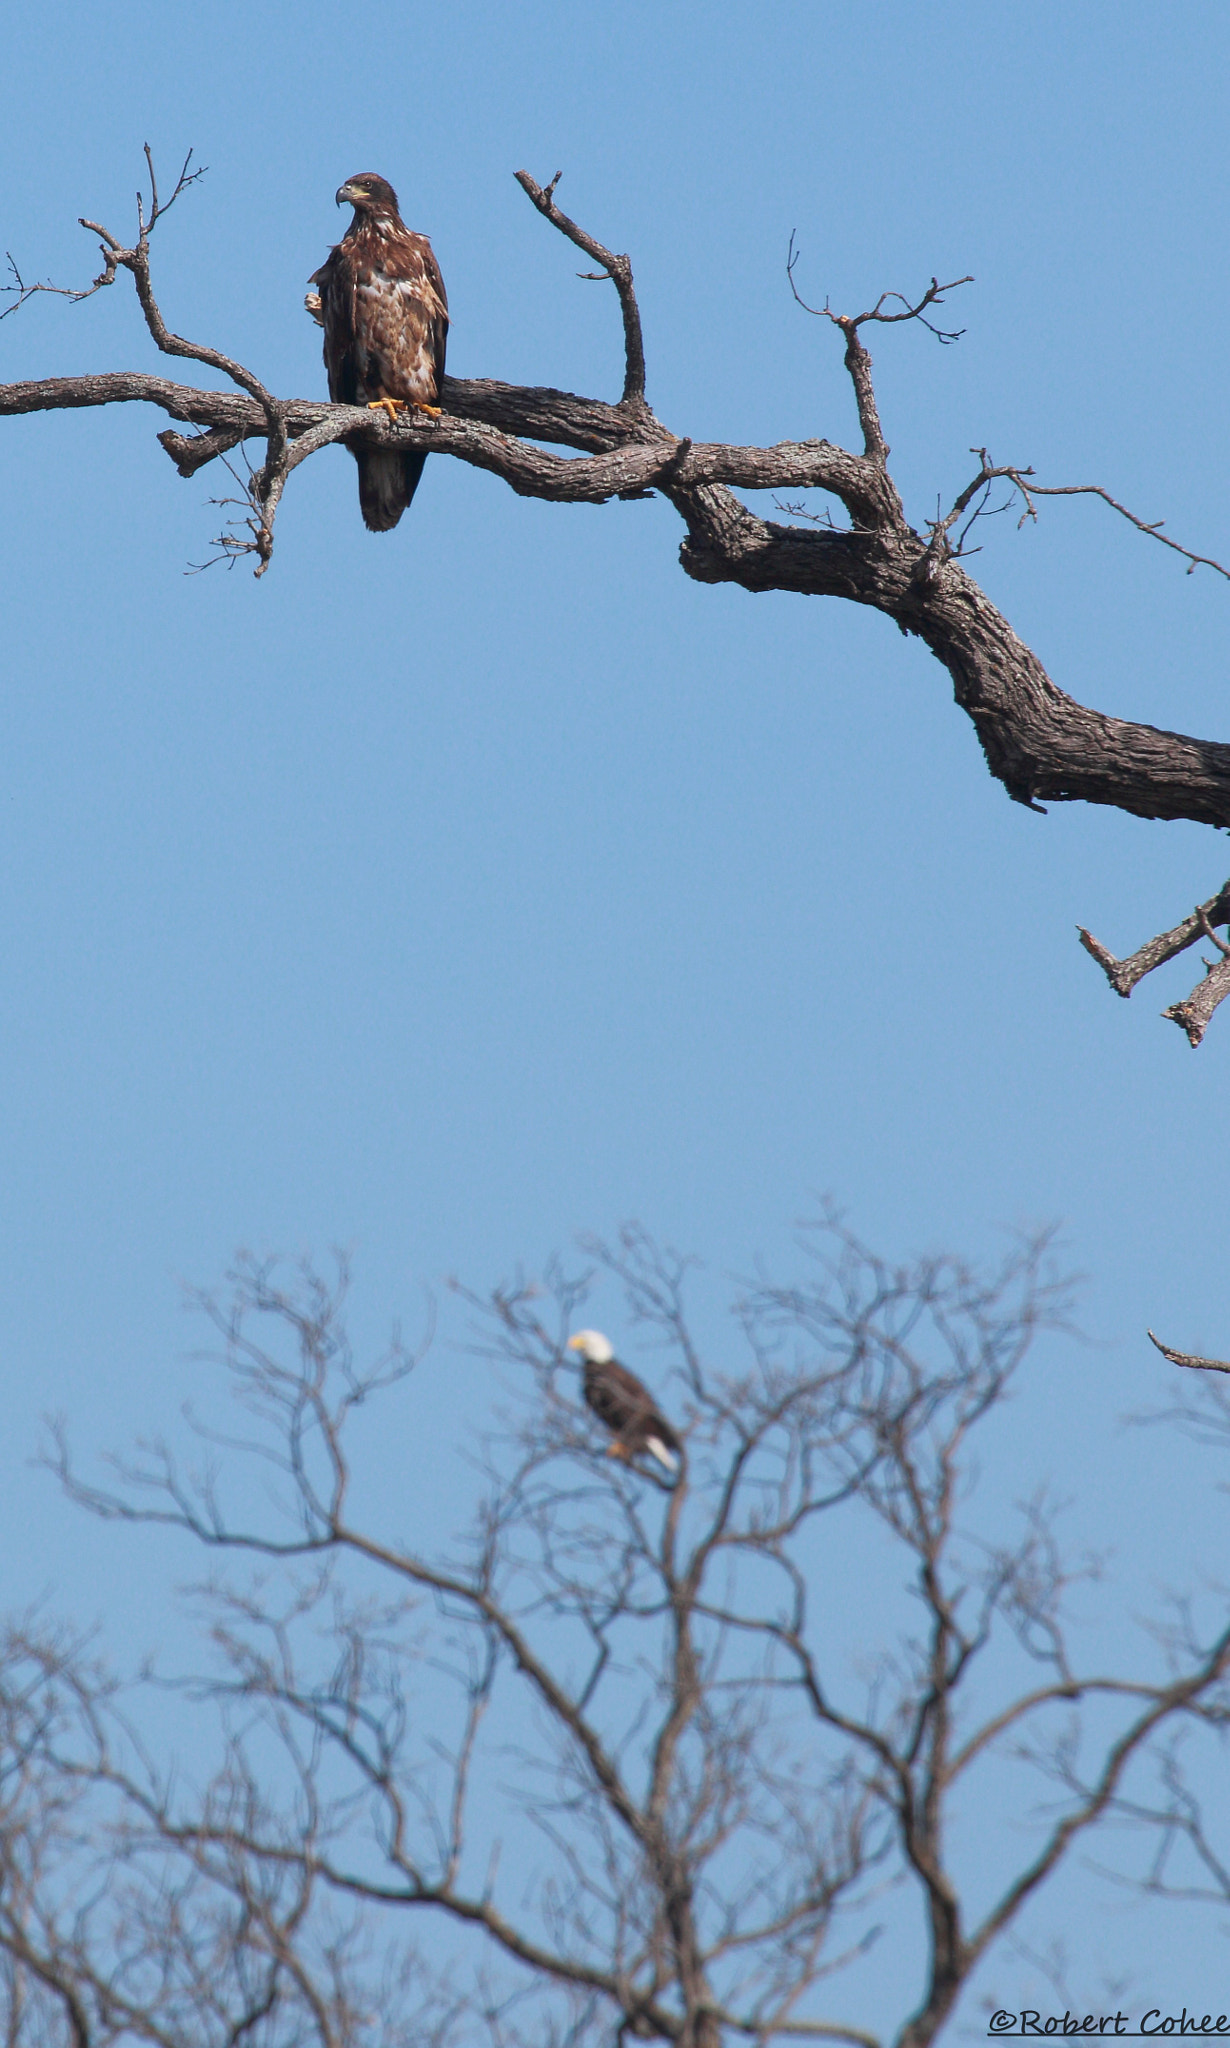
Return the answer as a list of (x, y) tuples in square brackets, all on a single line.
[(625, 1404), (385, 315)]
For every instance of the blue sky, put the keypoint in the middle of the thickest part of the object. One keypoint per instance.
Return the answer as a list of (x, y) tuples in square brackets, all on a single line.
[(450, 893)]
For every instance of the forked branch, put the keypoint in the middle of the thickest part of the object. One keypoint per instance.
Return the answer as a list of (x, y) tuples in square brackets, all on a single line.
[(1194, 1014), (617, 268), (858, 361)]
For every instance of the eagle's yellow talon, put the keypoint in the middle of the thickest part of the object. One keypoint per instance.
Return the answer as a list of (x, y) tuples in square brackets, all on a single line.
[(394, 406)]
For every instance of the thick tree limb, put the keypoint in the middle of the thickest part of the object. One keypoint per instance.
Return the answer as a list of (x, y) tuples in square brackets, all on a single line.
[(1037, 740), (1040, 743)]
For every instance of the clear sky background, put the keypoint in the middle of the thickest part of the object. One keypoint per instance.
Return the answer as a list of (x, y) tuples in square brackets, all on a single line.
[(449, 893)]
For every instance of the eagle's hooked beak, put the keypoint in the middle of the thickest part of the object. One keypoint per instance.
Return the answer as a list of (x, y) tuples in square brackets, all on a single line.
[(346, 196)]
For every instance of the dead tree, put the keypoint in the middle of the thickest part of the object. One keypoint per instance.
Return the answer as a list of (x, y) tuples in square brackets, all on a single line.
[(1038, 742), (601, 1766)]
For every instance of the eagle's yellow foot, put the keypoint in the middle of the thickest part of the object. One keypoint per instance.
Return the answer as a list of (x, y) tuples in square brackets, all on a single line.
[(395, 405), (616, 1450)]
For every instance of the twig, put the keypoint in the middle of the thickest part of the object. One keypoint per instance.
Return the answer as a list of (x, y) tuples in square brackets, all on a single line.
[(112, 253), (933, 296), (938, 550), (1022, 480), (1189, 1357), (232, 547), (185, 178), (1152, 527)]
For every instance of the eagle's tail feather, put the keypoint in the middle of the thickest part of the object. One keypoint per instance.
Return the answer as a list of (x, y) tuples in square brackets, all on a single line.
[(387, 482), (657, 1449)]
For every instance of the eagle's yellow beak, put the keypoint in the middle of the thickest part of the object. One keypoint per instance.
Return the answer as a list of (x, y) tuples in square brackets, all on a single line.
[(573, 1344)]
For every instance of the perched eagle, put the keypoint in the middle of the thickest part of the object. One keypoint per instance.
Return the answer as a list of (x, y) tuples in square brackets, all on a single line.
[(624, 1403), (382, 306)]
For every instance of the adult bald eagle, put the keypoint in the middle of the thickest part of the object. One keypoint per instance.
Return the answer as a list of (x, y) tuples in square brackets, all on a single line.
[(625, 1404), (385, 315)]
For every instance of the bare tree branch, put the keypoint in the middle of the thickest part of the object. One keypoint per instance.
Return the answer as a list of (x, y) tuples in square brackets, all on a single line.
[(1152, 527), (1038, 742), (1189, 1357), (858, 362), (617, 268), (1193, 1015)]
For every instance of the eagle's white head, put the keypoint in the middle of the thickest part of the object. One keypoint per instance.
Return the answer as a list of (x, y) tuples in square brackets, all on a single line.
[(593, 1347)]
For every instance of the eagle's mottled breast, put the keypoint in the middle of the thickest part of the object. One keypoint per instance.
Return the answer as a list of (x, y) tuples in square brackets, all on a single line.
[(385, 316)]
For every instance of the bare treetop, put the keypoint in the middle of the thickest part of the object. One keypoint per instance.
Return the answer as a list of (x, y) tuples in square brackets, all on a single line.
[(1041, 744), (599, 1766)]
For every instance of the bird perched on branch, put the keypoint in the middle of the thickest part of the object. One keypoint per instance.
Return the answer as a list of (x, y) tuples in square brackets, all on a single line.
[(624, 1404), (385, 314)]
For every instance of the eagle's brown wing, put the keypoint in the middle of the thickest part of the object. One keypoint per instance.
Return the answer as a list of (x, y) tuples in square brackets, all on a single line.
[(385, 316), (627, 1407)]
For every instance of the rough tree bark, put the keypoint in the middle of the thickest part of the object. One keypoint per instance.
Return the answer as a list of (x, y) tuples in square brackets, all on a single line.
[(1040, 743)]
